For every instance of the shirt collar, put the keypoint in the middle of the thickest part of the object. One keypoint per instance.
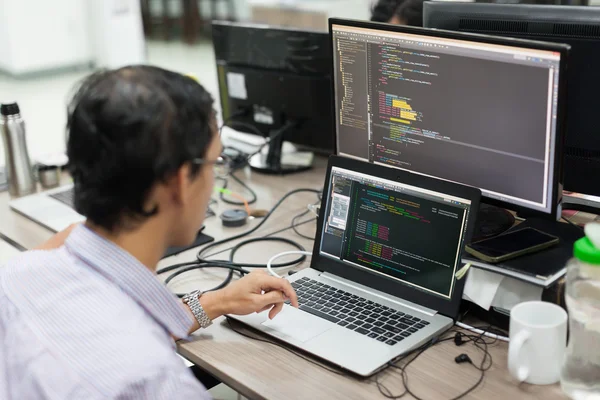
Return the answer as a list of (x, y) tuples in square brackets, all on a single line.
[(131, 276)]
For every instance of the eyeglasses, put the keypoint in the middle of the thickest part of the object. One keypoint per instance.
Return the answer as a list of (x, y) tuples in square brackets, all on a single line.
[(222, 165)]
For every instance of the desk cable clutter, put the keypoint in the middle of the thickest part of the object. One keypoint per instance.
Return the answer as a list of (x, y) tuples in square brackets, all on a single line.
[(203, 262), (285, 253)]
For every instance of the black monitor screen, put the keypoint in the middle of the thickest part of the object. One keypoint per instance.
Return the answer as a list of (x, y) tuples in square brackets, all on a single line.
[(470, 112), (398, 231), (578, 27), (273, 79)]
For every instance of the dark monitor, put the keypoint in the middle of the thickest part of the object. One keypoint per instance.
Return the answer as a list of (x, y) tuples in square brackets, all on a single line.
[(276, 82), (577, 26), (478, 110)]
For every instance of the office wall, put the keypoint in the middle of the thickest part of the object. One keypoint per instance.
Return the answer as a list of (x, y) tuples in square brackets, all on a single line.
[(116, 33), (6, 56), (42, 34)]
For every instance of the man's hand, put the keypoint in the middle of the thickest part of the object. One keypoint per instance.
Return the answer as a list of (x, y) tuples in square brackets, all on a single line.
[(57, 240), (255, 292)]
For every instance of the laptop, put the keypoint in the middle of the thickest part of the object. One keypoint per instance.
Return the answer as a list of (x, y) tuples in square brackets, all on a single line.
[(382, 279), (52, 209), (55, 210)]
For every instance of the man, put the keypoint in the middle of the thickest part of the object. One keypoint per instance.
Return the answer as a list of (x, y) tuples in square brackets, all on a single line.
[(84, 317), (399, 12)]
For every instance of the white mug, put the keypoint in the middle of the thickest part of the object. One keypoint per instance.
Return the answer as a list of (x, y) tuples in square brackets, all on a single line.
[(538, 339)]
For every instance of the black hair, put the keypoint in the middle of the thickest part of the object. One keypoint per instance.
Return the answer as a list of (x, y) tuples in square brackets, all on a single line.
[(129, 129), (409, 11)]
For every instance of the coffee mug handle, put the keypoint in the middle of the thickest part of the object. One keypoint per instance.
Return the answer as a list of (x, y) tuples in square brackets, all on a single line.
[(514, 350)]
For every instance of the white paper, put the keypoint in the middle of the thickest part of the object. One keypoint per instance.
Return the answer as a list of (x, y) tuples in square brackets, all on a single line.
[(481, 287), (513, 291), (236, 85), (488, 289)]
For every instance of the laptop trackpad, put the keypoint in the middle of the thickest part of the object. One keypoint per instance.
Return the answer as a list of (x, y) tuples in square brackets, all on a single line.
[(297, 324)]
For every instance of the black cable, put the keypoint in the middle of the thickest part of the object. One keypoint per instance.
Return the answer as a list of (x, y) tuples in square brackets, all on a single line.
[(252, 230), (246, 159), (230, 122), (287, 228), (231, 264), (295, 228), (571, 223), (275, 135), (229, 119), (201, 263), (295, 261), (383, 389), (222, 197), (268, 140), (195, 266), (477, 340)]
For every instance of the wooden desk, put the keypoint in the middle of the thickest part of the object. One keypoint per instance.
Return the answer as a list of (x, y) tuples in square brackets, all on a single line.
[(263, 370)]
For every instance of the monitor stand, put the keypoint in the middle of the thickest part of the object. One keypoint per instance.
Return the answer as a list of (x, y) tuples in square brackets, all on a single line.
[(581, 202), (276, 162), (491, 221)]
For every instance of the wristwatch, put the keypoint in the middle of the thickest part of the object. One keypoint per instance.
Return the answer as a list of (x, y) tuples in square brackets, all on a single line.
[(192, 299)]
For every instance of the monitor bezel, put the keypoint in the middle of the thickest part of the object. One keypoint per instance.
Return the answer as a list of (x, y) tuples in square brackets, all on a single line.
[(563, 49), (448, 307)]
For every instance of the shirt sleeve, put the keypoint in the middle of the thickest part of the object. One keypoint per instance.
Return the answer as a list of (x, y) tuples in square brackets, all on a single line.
[(165, 385)]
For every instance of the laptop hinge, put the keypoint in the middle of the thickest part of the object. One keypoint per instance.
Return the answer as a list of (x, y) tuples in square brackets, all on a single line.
[(377, 293)]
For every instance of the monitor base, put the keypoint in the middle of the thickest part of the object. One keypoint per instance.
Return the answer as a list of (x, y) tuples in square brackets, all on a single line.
[(492, 221), (275, 161)]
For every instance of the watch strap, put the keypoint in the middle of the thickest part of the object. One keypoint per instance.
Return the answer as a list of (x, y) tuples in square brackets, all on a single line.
[(193, 301)]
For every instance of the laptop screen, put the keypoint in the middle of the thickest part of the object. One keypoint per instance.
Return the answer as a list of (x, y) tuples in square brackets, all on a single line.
[(408, 234)]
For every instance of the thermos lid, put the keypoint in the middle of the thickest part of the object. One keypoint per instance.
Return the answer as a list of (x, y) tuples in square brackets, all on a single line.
[(9, 109)]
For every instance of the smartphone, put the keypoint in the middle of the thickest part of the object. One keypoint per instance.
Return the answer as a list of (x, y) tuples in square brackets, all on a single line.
[(511, 245)]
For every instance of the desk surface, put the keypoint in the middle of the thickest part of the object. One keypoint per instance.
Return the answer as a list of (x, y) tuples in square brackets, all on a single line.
[(262, 370)]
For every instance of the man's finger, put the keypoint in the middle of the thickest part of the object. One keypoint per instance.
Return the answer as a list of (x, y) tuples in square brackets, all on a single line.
[(270, 283), (265, 308), (275, 310), (273, 297)]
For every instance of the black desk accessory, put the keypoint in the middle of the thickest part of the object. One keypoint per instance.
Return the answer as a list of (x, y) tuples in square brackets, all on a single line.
[(547, 264), (200, 240)]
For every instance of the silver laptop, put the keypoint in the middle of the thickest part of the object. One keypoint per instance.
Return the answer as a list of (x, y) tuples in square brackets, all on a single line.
[(52, 209), (382, 277)]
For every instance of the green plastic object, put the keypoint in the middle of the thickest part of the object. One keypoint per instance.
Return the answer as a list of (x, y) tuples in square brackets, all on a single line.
[(585, 251)]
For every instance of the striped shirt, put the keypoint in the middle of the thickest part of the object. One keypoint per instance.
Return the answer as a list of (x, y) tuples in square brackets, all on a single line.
[(89, 321)]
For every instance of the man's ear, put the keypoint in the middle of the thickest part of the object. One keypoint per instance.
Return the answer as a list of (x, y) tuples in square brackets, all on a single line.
[(179, 185)]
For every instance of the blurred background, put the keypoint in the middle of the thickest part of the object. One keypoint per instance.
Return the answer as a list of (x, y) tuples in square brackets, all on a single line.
[(47, 46)]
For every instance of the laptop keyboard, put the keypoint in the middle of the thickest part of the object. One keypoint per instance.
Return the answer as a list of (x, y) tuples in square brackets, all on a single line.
[(65, 197), (353, 312)]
